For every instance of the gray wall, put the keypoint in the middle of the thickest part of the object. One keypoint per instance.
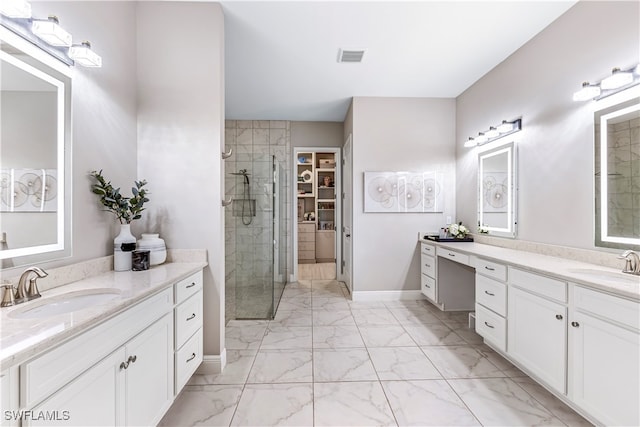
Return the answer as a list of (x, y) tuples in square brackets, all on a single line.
[(180, 137), (398, 134), (556, 144), (317, 134)]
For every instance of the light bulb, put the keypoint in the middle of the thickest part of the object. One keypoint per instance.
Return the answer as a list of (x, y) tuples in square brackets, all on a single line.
[(587, 92), (505, 127), (470, 143), (617, 79), (83, 55), (492, 132), (51, 32)]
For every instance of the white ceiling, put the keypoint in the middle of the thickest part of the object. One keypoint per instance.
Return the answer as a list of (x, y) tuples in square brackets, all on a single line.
[(281, 57)]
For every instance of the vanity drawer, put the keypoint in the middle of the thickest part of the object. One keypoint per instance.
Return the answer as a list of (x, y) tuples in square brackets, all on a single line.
[(453, 255), (619, 310), (307, 237), (188, 318), (306, 246), (428, 265), (491, 294), (428, 287), (491, 327), (188, 286), (537, 284), (428, 249), (307, 228), (491, 269), (187, 360)]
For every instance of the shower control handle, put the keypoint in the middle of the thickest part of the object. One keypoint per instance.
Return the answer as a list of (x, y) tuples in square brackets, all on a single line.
[(227, 203)]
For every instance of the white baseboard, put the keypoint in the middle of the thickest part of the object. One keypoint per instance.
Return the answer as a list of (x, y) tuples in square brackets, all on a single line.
[(386, 295), (212, 364)]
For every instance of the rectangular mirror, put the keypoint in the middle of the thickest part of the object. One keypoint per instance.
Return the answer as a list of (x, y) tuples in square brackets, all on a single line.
[(497, 190), (617, 171), (35, 108)]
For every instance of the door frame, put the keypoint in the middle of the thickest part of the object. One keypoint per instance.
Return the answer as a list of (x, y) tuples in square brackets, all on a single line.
[(294, 204), (346, 198)]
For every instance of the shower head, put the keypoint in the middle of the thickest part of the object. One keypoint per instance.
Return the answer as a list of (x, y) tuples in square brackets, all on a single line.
[(242, 172)]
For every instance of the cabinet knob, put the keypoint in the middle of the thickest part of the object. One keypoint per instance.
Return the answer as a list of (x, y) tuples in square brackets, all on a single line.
[(488, 325), (559, 316), (575, 324)]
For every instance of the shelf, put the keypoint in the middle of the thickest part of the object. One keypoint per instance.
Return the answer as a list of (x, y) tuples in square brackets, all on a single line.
[(306, 195), (305, 164), (326, 209), (326, 200), (322, 187), (326, 169)]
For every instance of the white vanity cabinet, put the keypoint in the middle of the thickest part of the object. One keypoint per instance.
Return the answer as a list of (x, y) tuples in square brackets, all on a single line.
[(188, 328), (604, 363), (9, 397), (428, 271), (491, 302), (537, 326)]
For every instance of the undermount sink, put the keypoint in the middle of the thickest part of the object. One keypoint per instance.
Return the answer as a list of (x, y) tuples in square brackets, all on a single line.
[(607, 275), (66, 303)]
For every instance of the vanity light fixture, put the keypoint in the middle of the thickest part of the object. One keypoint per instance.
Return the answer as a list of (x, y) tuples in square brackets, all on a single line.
[(495, 132), (616, 82), (51, 32), (587, 92), (618, 78), (83, 55), (15, 9)]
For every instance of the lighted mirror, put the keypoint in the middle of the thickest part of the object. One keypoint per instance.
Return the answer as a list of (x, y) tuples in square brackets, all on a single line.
[(35, 102), (497, 190), (617, 172)]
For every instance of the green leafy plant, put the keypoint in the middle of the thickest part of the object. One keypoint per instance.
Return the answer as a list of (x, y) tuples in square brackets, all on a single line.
[(126, 209)]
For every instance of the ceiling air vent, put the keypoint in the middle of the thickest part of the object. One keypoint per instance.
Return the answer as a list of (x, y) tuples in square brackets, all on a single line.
[(350, 55)]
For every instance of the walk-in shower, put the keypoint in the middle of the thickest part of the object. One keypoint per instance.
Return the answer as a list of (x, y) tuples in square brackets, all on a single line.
[(255, 235)]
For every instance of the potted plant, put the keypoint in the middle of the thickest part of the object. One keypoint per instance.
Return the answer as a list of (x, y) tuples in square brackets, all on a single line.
[(126, 209)]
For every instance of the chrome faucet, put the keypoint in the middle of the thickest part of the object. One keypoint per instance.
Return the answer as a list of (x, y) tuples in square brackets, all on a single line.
[(22, 293), (632, 262)]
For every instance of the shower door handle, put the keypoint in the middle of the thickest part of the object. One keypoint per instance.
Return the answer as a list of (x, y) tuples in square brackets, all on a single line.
[(227, 203)]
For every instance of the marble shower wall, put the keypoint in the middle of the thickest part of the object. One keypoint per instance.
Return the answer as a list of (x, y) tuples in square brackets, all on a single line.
[(249, 258)]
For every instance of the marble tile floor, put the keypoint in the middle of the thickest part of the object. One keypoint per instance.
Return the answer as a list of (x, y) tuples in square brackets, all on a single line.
[(328, 361)]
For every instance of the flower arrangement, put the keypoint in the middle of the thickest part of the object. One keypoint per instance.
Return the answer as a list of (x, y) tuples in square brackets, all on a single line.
[(458, 230), (126, 209)]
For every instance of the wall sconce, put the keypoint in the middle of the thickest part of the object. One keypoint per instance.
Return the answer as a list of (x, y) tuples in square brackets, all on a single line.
[(507, 127), (51, 32), (619, 80), (83, 55), (46, 34)]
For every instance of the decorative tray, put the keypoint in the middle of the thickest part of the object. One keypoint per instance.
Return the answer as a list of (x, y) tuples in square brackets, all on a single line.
[(448, 239)]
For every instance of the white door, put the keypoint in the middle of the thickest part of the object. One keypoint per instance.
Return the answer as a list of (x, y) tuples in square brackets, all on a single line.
[(347, 215), (604, 370), (537, 334)]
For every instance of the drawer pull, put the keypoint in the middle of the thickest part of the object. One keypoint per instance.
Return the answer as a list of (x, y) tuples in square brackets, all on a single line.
[(489, 268), (453, 255), (427, 286), (427, 265), (193, 356), (193, 316), (124, 365), (559, 316), (191, 285), (489, 326), (489, 293), (575, 324), (132, 359)]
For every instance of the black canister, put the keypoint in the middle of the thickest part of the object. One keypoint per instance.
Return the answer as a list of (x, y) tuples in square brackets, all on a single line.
[(140, 260)]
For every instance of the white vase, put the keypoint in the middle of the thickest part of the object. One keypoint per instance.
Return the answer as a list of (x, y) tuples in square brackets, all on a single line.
[(156, 247), (123, 245)]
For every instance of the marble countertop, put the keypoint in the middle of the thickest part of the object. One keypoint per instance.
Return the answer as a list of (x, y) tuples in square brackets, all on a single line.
[(591, 275), (20, 339)]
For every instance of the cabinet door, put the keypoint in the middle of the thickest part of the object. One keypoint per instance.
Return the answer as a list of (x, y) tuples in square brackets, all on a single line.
[(9, 392), (604, 370), (95, 398), (537, 336), (149, 386)]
